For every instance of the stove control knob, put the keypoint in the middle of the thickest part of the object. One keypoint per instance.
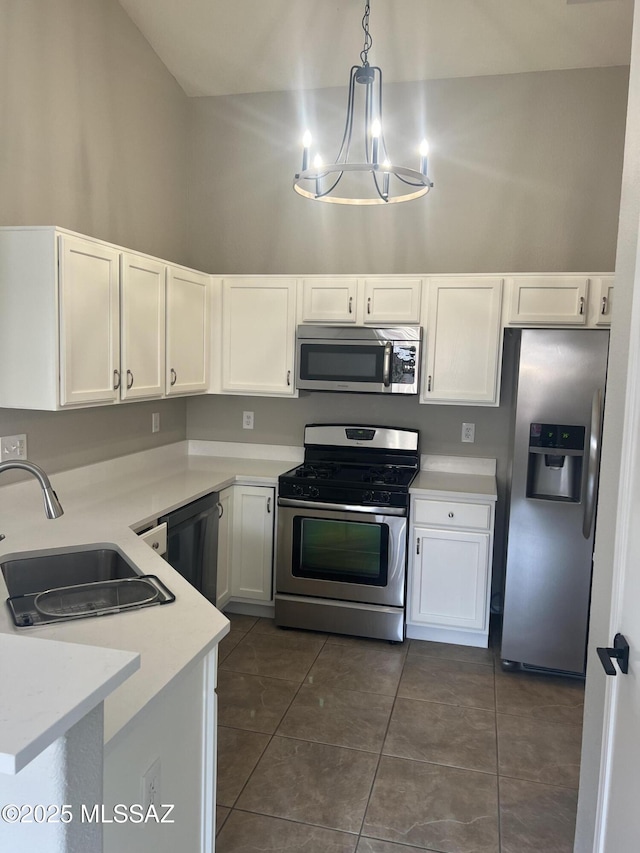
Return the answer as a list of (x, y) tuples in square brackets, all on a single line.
[(314, 491), (367, 496), (385, 497), (297, 490)]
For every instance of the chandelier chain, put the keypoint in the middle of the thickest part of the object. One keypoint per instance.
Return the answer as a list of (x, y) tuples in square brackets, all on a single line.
[(368, 41)]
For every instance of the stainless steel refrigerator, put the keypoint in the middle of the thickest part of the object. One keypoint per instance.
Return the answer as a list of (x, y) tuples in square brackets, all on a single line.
[(560, 384)]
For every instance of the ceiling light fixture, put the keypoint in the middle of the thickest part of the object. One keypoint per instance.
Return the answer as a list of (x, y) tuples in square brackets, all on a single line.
[(319, 181)]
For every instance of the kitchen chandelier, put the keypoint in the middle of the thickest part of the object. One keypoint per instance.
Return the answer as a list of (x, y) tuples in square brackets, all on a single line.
[(320, 180)]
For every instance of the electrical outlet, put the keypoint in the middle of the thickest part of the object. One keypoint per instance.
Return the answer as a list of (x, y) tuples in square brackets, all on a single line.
[(13, 447), (247, 420), (469, 433), (155, 422), (151, 786)]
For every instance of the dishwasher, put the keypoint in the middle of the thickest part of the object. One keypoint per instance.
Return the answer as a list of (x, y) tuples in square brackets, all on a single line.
[(192, 543)]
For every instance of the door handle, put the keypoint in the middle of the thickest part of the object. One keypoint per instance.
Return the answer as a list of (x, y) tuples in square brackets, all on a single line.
[(369, 305), (603, 310), (288, 377), (619, 652), (220, 510), (116, 380), (417, 546), (129, 380), (386, 364), (268, 505), (581, 308), (593, 463), (174, 377), (351, 305)]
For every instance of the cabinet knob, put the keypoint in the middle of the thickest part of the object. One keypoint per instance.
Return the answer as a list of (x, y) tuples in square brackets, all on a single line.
[(155, 545), (450, 515)]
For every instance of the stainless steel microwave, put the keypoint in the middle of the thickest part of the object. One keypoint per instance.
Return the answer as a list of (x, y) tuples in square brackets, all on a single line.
[(361, 359)]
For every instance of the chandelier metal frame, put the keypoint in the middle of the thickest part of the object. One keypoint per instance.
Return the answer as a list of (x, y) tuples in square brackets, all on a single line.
[(320, 180)]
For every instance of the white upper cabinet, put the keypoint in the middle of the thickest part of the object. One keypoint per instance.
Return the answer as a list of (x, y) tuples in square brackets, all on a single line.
[(89, 322), (463, 341), (258, 336), (188, 331), (548, 300), (329, 300), (602, 300), (389, 301), (142, 316)]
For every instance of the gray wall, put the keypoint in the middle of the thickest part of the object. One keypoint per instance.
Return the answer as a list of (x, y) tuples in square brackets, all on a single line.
[(94, 138), (527, 171)]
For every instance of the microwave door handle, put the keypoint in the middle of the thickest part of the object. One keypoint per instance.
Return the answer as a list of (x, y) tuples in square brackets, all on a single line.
[(386, 364)]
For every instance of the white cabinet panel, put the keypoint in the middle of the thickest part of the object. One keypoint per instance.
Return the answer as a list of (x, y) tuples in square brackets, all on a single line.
[(89, 322), (548, 300), (329, 300), (258, 335), (449, 581), (463, 341), (252, 563), (188, 330), (452, 514), (225, 547), (391, 301), (602, 299), (142, 343)]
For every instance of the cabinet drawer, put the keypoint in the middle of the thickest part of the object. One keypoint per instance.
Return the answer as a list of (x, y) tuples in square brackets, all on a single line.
[(452, 514)]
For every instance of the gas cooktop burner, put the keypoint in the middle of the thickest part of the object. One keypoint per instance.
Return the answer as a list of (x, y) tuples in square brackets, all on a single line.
[(316, 472), (382, 475)]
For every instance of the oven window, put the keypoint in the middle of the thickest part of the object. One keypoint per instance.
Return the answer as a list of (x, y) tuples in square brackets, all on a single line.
[(342, 362), (347, 551)]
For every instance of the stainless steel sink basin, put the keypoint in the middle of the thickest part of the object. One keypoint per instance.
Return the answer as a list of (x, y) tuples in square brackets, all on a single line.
[(36, 573)]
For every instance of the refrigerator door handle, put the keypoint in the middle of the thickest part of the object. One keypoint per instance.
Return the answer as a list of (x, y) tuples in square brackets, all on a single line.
[(593, 464)]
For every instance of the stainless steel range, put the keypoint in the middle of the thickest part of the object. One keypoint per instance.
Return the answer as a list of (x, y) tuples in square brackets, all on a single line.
[(342, 531)]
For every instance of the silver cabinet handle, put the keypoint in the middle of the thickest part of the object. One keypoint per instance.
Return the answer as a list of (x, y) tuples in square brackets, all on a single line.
[(428, 383), (220, 510), (351, 305), (174, 377), (450, 515), (417, 546), (386, 364), (268, 505), (369, 305), (288, 377), (581, 310), (116, 380), (129, 380), (603, 309)]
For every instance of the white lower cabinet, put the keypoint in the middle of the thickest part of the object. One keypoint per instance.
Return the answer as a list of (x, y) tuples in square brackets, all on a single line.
[(245, 545), (449, 579)]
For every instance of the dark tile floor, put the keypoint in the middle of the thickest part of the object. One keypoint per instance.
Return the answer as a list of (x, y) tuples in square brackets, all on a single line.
[(332, 744)]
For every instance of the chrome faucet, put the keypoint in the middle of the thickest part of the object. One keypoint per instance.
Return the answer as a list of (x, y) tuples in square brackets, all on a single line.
[(52, 506)]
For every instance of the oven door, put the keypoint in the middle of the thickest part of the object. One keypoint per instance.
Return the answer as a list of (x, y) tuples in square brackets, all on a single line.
[(341, 553)]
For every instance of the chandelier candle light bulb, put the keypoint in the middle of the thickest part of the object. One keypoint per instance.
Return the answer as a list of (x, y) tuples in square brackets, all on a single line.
[(385, 178), (424, 152), (376, 130), (306, 145)]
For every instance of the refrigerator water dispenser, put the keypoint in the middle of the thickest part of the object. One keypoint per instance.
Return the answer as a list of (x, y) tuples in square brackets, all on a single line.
[(556, 453)]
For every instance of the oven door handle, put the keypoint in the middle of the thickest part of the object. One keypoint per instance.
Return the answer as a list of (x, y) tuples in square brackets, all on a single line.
[(373, 510), (386, 364)]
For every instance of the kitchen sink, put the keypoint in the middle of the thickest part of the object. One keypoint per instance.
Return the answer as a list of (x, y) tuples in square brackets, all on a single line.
[(40, 572)]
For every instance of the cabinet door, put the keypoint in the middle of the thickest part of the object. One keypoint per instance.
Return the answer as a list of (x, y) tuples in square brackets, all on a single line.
[(329, 300), (187, 362), (463, 341), (603, 299), (89, 322), (142, 310), (548, 300), (253, 513), (391, 300), (225, 547), (258, 334), (449, 584)]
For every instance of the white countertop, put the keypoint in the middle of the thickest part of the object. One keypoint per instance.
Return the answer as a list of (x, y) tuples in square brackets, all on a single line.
[(468, 478), (102, 503)]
